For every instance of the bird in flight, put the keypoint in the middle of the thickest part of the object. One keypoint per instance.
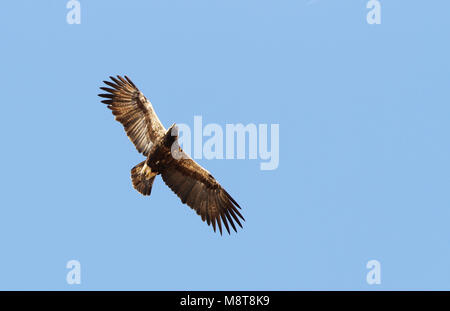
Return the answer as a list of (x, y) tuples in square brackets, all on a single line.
[(193, 184)]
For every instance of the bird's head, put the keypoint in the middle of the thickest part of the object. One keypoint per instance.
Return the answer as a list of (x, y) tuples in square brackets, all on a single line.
[(171, 135)]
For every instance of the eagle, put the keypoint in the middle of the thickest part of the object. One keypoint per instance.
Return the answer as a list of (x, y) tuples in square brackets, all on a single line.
[(193, 184)]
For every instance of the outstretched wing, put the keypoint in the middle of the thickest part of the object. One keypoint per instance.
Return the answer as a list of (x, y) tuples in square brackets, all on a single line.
[(196, 187), (134, 111)]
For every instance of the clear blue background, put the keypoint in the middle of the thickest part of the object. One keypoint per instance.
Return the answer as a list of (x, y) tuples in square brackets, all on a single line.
[(364, 144)]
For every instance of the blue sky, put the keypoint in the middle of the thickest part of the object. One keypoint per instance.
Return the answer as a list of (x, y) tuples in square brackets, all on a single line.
[(364, 150)]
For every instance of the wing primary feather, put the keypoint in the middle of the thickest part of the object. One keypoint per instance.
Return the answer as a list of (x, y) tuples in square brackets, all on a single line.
[(203, 208), (213, 209), (203, 199), (219, 224), (231, 212), (225, 222), (131, 82), (236, 211), (112, 85), (213, 221), (221, 212), (230, 207), (119, 83), (224, 204), (231, 198), (208, 219), (227, 214), (107, 89), (123, 80), (106, 95), (235, 217)]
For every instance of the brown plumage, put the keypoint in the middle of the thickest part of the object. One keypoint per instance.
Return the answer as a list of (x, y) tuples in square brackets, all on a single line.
[(193, 184)]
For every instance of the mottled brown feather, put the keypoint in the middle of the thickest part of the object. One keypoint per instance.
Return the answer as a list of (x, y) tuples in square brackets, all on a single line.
[(134, 111), (196, 187)]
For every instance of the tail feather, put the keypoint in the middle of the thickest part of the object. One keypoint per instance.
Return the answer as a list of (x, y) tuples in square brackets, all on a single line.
[(142, 178)]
